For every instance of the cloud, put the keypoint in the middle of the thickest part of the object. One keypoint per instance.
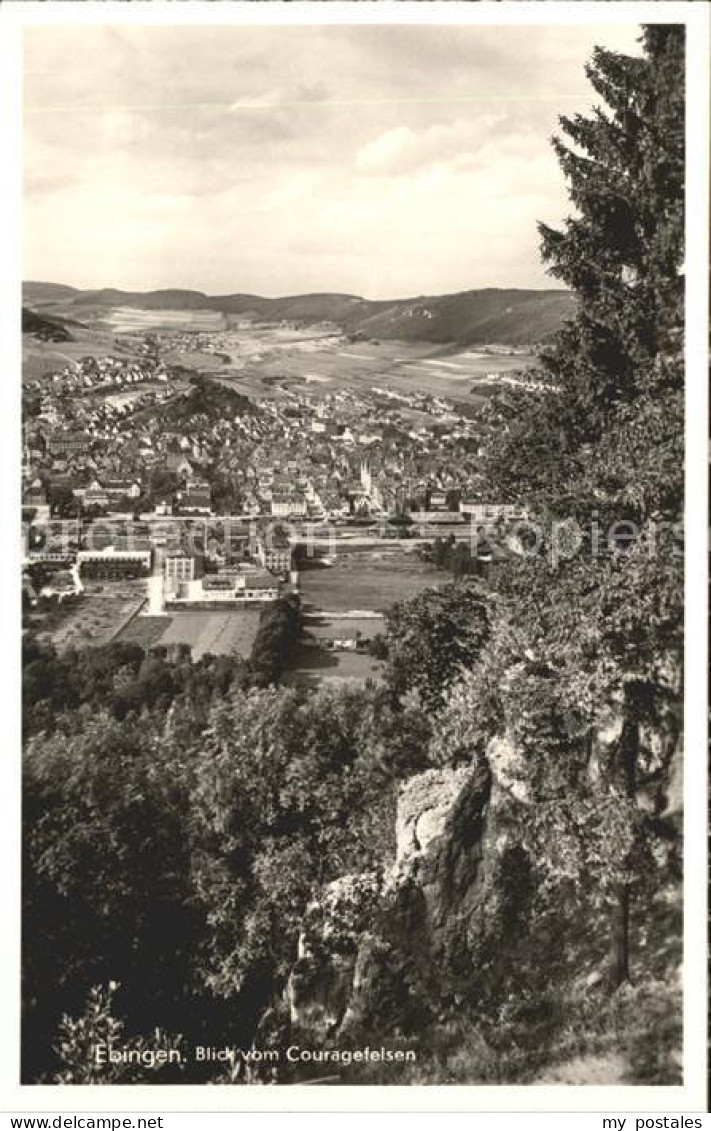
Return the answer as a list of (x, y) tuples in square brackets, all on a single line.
[(383, 160), (387, 150), (404, 150)]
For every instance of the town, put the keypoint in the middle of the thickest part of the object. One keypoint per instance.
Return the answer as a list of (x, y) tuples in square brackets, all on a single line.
[(162, 504)]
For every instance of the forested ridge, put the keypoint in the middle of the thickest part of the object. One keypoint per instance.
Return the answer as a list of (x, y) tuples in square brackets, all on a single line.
[(186, 825), (511, 317)]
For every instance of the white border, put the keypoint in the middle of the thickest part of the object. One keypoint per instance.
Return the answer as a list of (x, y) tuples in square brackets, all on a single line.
[(691, 1097)]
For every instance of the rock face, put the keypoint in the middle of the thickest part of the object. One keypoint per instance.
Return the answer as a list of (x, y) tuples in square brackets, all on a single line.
[(424, 805), (442, 838), (320, 985), (383, 953)]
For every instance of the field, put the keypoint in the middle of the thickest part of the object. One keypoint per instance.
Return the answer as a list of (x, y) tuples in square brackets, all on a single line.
[(343, 627), (93, 619), (220, 632), (193, 359), (145, 631), (313, 667), (367, 580), (125, 319), (332, 365), (265, 359), (360, 580)]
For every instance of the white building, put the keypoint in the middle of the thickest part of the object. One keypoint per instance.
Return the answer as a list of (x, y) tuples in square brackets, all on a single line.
[(292, 505), (492, 512), (110, 556), (233, 587)]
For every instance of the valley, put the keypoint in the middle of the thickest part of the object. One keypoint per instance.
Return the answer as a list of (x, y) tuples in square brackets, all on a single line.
[(263, 360), (232, 432)]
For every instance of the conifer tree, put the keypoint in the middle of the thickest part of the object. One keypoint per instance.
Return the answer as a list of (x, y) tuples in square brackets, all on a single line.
[(602, 447)]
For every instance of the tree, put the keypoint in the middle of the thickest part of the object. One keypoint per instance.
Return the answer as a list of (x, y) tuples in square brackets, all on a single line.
[(430, 637), (190, 843), (277, 635), (79, 1037), (107, 876), (62, 500), (602, 446)]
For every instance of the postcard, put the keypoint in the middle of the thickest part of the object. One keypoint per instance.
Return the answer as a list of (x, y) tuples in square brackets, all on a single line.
[(358, 385)]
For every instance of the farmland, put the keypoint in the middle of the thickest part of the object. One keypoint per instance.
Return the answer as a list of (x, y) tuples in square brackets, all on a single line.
[(129, 319), (145, 631), (270, 359), (265, 359), (91, 619), (221, 632)]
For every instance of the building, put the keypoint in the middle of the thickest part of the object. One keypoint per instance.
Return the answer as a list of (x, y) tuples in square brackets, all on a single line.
[(69, 443), (36, 498), (438, 501), (231, 588), (182, 565), (113, 562), (195, 500), (488, 513), (366, 477), (108, 490), (218, 583), (94, 497), (275, 553), (259, 587), (251, 506), (34, 448), (122, 488), (437, 518), (178, 462), (291, 505)]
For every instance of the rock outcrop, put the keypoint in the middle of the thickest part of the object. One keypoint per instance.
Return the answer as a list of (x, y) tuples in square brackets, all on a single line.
[(387, 952), (321, 983)]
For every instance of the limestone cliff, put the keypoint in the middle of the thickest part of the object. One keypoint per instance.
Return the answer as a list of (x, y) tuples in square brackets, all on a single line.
[(385, 953)]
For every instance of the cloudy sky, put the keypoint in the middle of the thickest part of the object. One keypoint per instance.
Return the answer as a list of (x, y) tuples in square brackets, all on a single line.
[(382, 161)]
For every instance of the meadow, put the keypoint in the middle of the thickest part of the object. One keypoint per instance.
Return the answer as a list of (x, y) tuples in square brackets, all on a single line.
[(313, 666), (366, 580), (346, 627)]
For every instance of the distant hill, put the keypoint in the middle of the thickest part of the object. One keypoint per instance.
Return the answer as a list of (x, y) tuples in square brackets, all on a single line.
[(37, 293), (47, 329), (508, 317), (150, 300)]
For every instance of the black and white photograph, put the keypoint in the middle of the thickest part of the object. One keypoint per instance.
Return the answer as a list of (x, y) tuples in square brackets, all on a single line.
[(352, 553)]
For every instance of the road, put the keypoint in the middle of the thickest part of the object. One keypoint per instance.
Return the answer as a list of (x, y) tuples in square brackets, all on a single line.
[(156, 593)]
